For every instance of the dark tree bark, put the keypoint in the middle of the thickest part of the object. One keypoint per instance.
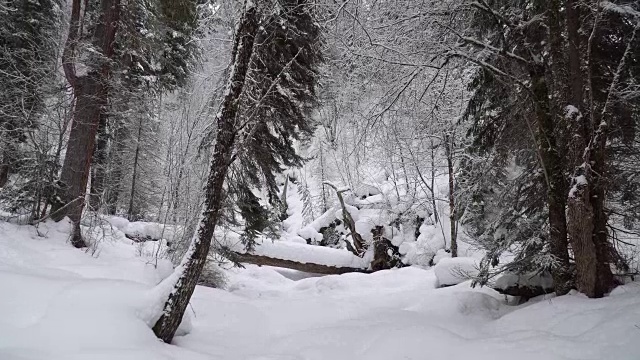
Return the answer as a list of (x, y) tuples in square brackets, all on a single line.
[(91, 98), (385, 254), (452, 199), (75, 170), (7, 160), (604, 251), (575, 68), (550, 104), (196, 256)]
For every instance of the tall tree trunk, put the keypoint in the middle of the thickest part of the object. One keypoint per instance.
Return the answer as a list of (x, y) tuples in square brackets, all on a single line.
[(452, 202), (323, 179), (7, 160), (134, 176), (580, 227), (113, 185), (554, 176), (98, 167), (558, 86), (88, 91), (91, 98), (604, 251), (195, 258), (433, 184), (576, 87), (175, 201)]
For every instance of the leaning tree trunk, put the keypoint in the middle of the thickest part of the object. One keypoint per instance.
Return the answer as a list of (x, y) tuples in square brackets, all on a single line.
[(359, 245), (91, 98), (195, 258)]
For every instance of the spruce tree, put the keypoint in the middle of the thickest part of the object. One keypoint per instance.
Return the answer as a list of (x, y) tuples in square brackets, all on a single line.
[(570, 108), (270, 89), (28, 49)]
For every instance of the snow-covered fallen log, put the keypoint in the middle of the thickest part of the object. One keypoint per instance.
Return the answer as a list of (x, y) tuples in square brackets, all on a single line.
[(302, 257), (294, 265)]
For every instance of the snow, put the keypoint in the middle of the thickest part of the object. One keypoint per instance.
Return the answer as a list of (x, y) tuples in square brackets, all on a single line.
[(142, 228), (578, 182), (311, 231), (571, 112), (60, 303), (452, 271)]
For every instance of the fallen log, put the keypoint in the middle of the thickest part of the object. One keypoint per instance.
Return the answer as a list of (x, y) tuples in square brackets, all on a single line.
[(139, 238), (261, 260), (525, 292)]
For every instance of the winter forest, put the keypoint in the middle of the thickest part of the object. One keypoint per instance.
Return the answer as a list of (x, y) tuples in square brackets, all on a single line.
[(319, 179)]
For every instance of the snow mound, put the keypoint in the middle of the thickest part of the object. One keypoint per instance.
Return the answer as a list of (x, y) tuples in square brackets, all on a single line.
[(143, 229), (452, 271)]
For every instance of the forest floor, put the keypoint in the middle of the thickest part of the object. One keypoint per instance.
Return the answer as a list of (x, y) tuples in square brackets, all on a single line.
[(60, 303)]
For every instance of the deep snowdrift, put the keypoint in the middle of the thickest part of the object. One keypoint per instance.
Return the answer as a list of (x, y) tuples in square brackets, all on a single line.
[(61, 303)]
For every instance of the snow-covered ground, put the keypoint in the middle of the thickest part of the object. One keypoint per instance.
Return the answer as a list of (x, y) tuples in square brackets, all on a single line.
[(59, 303)]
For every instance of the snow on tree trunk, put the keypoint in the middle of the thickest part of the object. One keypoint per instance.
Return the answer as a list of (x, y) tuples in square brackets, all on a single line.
[(195, 258)]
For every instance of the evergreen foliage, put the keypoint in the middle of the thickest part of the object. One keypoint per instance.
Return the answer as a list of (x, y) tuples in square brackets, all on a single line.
[(276, 107), (28, 50)]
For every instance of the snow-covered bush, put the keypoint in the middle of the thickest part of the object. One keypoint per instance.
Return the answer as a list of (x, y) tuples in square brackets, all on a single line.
[(453, 271), (213, 276)]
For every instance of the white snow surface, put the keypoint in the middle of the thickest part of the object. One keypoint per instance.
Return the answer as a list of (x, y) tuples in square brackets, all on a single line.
[(60, 303)]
